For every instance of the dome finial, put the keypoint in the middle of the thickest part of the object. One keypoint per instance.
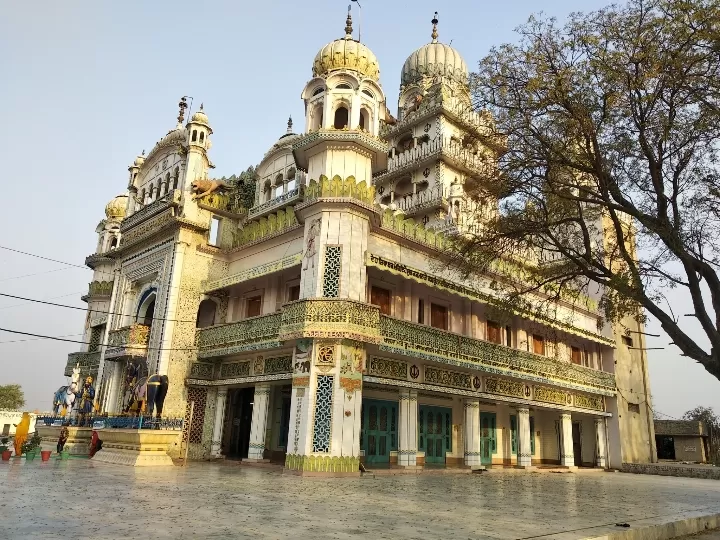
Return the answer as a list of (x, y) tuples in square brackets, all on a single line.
[(201, 106), (182, 105), (348, 25), (289, 128), (434, 34)]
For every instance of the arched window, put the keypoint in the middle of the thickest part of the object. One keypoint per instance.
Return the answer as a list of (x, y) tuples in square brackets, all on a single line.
[(113, 243), (364, 120), (267, 191), (151, 192), (146, 310), (316, 117), (368, 93), (318, 91), (343, 86), (290, 177), (166, 187), (202, 137), (206, 314), (142, 196), (279, 186), (341, 117), (194, 135), (177, 178)]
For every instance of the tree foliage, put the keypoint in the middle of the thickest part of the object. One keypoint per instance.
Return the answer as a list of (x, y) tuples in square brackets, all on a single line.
[(11, 396), (610, 178), (245, 186)]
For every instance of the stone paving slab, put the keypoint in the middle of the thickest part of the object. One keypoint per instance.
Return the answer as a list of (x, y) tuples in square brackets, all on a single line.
[(88, 500)]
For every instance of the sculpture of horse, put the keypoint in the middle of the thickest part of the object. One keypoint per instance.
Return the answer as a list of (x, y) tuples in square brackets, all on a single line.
[(65, 395), (148, 396)]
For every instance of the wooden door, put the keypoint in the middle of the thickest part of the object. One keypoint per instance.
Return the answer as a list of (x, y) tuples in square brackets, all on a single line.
[(488, 437), (577, 444), (381, 297), (434, 432), (378, 430)]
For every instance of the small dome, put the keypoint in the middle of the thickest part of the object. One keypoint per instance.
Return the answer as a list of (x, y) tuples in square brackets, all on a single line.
[(432, 60), (346, 53), (200, 117), (139, 160), (115, 209)]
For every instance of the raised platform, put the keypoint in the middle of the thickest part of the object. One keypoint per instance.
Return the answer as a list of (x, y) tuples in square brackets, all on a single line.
[(78, 442), (136, 447)]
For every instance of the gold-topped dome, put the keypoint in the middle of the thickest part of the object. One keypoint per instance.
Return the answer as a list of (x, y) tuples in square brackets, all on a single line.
[(346, 53), (200, 117), (115, 209), (434, 59)]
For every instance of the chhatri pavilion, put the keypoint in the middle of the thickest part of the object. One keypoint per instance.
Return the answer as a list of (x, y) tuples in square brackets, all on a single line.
[(304, 310)]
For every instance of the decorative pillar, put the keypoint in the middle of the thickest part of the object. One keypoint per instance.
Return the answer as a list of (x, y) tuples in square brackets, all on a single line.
[(261, 406), (524, 458), (217, 433), (472, 433), (407, 436), (600, 451), (567, 459)]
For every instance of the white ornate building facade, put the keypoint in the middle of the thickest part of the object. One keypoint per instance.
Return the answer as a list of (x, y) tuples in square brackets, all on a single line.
[(317, 327)]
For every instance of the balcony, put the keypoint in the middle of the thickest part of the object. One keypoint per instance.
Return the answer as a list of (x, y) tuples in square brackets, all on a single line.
[(431, 198), (170, 199), (330, 318), (403, 337), (291, 197), (99, 288), (128, 342), (88, 362), (246, 335)]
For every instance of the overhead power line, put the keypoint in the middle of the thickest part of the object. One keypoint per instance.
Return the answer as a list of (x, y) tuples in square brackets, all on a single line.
[(56, 338), (72, 265)]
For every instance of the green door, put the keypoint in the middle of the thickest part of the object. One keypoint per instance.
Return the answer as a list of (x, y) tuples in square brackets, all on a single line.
[(513, 434), (434, 432), (378, 430), (488, 440)]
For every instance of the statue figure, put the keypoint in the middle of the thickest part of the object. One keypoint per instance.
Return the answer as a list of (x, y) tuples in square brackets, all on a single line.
[(21, 433), (62, 439), (65, 395), (201, 188), (86, 395), (157, 387), (95, 443), (310, 249)]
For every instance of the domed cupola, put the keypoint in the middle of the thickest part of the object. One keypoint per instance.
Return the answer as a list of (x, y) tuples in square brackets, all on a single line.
[(434, 59), (346, 54), (115, 209)]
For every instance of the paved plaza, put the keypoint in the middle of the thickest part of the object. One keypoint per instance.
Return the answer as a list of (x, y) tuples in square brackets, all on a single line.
[(82, 499)]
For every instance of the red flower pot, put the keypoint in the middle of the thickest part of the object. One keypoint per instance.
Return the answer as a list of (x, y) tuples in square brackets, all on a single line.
[(6, 455), (45, 454)]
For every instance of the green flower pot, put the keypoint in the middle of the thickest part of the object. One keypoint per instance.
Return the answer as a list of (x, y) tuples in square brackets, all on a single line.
[(64, 455), (29, 456)]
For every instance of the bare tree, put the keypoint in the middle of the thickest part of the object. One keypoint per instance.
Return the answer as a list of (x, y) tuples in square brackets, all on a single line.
[(609, 178)]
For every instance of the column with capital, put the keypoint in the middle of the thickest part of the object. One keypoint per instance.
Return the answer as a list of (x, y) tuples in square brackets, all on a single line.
[(407, 437), (216, 445), (472, 433), (567, 458), (524, 456), (261, 407), (600, 450)]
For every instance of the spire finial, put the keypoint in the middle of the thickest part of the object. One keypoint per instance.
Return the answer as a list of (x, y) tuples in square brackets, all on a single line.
[(348, 25), (143, 152), (201, 106), (434, 34), (289, 128), (182, 105)]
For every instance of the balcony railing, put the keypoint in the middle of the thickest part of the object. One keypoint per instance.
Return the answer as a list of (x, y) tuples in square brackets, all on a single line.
[(247, 335), (418, 340), (100, 288), (292, 196), (171, 198), (330, 318), (88, 362), (434, 197), (128, 341)]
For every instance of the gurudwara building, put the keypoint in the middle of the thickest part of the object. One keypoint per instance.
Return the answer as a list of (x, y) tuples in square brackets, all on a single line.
[(313, 323)]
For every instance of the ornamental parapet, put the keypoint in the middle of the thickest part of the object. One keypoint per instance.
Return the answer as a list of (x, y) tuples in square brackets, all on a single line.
[(306, 145), (252, 334), (424, 341), (87, 362), (330, 318), (291, 197), (266, 227), (171, 199), (128, 341), (232, 371), (337, 188), (100, 288), (225, 204)]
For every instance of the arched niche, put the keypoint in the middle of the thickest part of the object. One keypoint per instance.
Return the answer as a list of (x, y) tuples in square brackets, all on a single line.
[(146, 308), (207, 312)]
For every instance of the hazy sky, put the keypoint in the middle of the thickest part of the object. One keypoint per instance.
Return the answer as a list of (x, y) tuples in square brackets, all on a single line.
[(85, 86)]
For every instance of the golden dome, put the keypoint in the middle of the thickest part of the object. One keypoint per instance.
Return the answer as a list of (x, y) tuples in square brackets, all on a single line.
[(115, 209), (200, 117), (346, 53)]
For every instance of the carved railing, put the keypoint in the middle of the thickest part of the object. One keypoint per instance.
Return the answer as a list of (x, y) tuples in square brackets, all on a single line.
[(100, 288), (266, 227), (417, 339), (128, 341), (290, 197), (330, 318), (171, 198), (412, 203), (336, 187), (89, 363), (246, 335)]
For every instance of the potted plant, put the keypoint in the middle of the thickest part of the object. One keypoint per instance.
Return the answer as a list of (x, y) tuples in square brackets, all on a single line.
[(4, 450), (30, 448)]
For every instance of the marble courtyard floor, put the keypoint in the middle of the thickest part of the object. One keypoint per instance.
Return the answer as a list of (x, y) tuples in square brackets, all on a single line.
[(82, 499)]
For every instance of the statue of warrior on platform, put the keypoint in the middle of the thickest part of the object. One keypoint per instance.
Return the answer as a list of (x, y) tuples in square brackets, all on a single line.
[(86, 397)]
